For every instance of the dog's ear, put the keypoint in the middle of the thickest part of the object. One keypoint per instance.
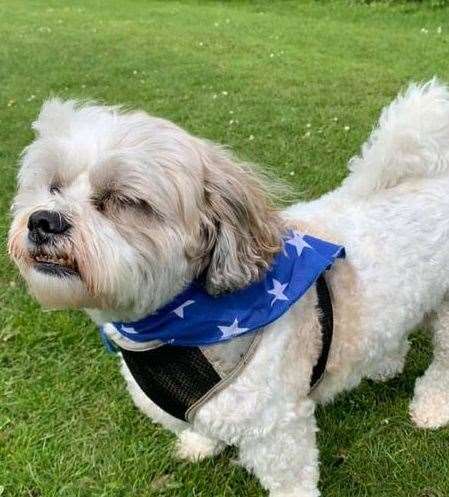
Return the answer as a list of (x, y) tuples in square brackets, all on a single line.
[(241, 230)]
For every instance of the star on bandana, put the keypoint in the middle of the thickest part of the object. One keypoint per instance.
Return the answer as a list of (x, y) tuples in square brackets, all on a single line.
[(129, 329), (278, 291), (298, 242), (179, 311), (230, 331)]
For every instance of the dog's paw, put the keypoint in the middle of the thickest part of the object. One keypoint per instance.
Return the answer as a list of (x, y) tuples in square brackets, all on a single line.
[(295, 492), (430, 408), (192, 446)]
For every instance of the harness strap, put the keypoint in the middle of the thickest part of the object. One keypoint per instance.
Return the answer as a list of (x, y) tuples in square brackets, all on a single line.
[(326, 317)]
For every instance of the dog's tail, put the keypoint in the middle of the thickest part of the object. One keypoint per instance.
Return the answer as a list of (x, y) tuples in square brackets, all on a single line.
[(411, 140)]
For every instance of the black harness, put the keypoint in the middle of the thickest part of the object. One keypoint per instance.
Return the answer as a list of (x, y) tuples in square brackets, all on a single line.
[(179, 379)]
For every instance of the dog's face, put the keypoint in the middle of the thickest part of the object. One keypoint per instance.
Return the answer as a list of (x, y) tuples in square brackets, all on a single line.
[(119, 211)]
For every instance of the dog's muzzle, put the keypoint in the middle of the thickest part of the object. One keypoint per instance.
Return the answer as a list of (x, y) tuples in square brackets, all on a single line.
[(45, 228)]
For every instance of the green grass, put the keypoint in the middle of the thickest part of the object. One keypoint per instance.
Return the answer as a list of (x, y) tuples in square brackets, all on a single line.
[(277, 69)]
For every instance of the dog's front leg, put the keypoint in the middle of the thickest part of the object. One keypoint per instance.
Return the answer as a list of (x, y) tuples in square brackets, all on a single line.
[(190, 445), (193, 446), (284, 456)]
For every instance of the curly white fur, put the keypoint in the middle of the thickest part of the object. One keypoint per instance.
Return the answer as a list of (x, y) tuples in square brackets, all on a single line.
[(391, 214)]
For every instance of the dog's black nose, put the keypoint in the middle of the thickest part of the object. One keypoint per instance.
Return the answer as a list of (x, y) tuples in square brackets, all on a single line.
[(42, 225)]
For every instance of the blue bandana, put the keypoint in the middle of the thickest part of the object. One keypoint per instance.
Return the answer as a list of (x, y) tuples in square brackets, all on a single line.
[(195, 318)]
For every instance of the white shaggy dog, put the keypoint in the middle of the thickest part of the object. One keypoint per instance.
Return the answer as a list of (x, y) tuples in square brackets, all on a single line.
[(141, 208)]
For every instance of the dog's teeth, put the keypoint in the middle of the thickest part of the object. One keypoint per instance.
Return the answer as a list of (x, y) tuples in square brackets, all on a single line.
[(64, 260)]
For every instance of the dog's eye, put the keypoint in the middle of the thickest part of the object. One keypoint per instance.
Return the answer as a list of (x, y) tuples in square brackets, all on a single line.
[(99, 201), (55, 187), (113, 203), (109, 200)]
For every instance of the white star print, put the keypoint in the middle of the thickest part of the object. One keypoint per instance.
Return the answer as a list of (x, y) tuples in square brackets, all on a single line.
[(298, 241), (129, 329), (230, 331), (179, 311), (278, 291)]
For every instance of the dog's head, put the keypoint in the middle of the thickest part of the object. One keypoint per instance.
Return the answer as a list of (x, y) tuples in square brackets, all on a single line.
[(120, 210)]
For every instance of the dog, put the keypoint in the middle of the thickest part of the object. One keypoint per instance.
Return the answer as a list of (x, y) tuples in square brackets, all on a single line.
[(118, 211)]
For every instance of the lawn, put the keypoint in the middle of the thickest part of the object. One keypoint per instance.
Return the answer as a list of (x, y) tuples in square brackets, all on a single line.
[(295, 86)]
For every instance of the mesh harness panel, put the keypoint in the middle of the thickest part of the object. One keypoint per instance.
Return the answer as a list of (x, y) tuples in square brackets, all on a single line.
[(174, 378)]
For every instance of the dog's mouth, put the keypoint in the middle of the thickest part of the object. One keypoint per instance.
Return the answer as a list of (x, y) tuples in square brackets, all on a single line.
[(55, 265)]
